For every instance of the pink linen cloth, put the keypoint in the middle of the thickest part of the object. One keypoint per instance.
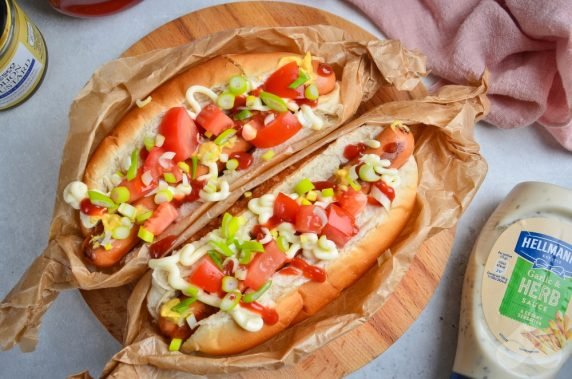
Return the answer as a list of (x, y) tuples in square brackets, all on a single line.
[(525, 44)]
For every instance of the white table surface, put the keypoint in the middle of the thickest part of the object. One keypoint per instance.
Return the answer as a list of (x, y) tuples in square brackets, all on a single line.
[(31, 140)]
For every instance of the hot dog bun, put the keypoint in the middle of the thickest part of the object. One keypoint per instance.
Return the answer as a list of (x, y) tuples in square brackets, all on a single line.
[(131, 130), (294, 301), (300, 303)]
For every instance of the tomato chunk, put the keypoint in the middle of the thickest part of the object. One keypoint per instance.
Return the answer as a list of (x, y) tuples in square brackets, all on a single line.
[(352, 201), (280, 80), (264, 265), (212, 119), (162, 217), (307, 219), (136, 187), (281, 129), (152, 165), (341, 225), (207, 276), (285, 208), (180, 132)]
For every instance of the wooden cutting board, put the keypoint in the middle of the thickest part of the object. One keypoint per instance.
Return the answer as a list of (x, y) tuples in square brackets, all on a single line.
[(361, 345)]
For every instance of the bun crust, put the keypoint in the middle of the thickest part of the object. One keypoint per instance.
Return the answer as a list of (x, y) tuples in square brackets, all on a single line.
[(304, 301)]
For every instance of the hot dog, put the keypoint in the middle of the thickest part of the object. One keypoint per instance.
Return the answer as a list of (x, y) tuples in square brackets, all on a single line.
[(192, 141), (293, 250)]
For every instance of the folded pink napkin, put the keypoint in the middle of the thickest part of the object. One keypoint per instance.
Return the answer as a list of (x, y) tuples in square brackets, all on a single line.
[(525, 44)]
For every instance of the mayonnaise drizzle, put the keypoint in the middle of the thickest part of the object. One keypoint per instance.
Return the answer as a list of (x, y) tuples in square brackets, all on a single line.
[(195, 105)]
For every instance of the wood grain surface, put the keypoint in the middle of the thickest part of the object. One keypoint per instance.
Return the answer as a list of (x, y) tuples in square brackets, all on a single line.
[(361, 345)]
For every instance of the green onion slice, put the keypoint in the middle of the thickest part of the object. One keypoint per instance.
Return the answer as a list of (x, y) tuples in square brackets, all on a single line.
[(237, 85), (311, 92), (229, 284), (274, 102), (175, 344), (268, 155), (224, 136), (184, 305), (231, 164), (120, 232), (253, 296), (303, 77), (247, 249), (225, 101), (120, 194), (254, 246), (132, 171), (243, 115), (127, 210), (230, 226), (222, 248), (195, 163), (215, 257), (143, 216), (145, 235), (97, 198), (328, 192), (191, 291), (170, 177), (149, 142), (230, 301), (303, 186), (245, 257), (184, 166), (282, 244)]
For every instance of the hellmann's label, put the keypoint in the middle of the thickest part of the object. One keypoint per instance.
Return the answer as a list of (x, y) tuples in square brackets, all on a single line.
[(527, 287)]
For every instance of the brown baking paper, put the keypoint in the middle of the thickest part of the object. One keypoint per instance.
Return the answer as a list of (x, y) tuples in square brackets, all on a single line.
[(450, 173), (113, 89)]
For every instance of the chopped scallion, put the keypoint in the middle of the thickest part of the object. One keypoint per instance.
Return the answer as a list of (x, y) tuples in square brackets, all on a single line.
[(311, 92), (243, 115), (274, 102), (303, 77), (132, 171), (303, 186), (184, 305), (232, 164), (224, 136), (253, 296), (237, 85), (225, 101), (175, 344), (100, 199), (145, 235)]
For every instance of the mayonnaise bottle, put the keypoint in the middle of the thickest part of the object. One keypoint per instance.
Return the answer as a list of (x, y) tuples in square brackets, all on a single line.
[(516, 314)]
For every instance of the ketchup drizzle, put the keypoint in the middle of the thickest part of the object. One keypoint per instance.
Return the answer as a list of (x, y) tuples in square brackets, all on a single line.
[(90, 209), (244, 159), (314, 273), (159, 248), (269, 315), (354, 151)]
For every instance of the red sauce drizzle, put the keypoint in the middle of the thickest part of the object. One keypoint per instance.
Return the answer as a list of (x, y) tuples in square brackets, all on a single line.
[(308, 102), (257, 232), (325, 69), (290, 271), (197, 186), (269, 315), (244, 159), (159, 248), (313, 273), (386, 190), (323, 185), (143, 154), (88, 208), (354, 151)]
